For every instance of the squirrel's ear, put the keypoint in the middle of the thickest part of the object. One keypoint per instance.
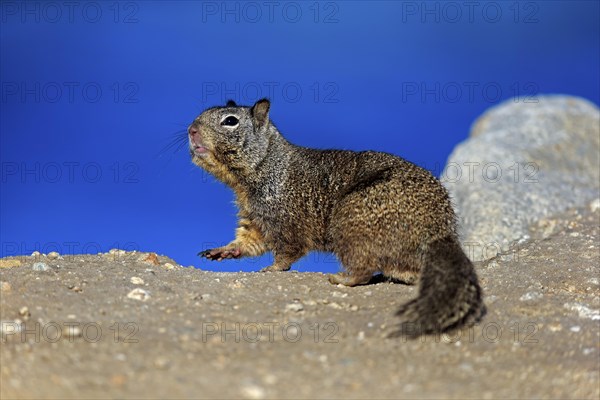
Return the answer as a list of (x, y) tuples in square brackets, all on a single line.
[(230, 103), (260, 112)]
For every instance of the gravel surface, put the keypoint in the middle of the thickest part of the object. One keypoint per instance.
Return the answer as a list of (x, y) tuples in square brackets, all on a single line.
[(137, 325)]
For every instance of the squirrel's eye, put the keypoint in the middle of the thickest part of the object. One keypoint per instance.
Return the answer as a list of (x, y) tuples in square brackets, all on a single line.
[(230, 121)]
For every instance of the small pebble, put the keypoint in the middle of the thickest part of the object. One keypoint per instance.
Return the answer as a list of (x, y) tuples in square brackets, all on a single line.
[(53, 255), (150, 258), (138, 294), (253, 392), (556, 327), (291, 333), (531, 296), (184, 338), (168, 266), (117, 252), (236, 285), (35, 254), (294, 307), (73, 331), (575, 328), (10, 327), (118, 380), (161, 363), (24, 311), (40, 266), (270, 379), (136, 280), (5, 287)]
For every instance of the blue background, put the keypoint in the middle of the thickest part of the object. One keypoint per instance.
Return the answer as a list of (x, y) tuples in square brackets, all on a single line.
[(92, 95)]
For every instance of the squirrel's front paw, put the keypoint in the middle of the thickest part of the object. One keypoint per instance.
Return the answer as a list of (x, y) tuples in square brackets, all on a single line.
[(220, 253)]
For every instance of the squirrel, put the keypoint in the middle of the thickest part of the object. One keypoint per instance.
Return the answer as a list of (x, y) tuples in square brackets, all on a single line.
[(377, 212)]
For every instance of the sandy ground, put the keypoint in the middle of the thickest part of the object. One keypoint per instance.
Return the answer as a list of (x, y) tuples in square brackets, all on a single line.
[(72, 331)]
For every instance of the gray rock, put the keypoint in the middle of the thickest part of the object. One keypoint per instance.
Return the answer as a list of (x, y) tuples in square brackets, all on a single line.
[(40, 266), (523, 162)]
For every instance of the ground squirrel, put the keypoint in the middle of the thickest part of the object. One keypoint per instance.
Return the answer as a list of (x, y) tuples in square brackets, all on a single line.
[(375, 211)]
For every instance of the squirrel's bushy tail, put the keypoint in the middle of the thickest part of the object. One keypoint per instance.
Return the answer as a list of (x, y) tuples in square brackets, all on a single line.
[(449, 293)]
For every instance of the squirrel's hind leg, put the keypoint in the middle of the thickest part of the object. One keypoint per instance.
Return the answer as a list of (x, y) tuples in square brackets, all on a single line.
[(359, 269), (284, 260), (347, 279)]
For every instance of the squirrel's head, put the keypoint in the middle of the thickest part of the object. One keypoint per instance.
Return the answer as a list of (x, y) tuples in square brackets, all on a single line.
[(224, 139)]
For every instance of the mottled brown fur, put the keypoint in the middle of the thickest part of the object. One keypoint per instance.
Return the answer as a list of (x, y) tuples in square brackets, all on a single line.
[(375, 211)]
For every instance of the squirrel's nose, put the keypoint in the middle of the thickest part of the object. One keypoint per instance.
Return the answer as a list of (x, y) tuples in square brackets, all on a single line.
[(193, 130)]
